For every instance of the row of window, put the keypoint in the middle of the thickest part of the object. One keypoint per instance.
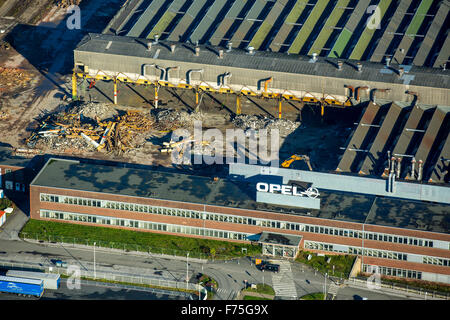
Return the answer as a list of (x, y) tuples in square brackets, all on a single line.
[(358, 251), (236, 219), (436, 261), (378, 253), (394, 272), (102, 220)]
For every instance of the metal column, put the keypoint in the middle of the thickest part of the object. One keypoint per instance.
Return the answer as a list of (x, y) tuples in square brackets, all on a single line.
[(74, 86), (115, 91)]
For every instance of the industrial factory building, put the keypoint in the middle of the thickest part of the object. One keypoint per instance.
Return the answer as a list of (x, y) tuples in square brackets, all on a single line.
[(398, 226), (405, 117), (331, 81)]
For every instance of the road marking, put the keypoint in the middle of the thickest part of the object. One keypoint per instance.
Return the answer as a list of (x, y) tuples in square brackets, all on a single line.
[(283, 282)]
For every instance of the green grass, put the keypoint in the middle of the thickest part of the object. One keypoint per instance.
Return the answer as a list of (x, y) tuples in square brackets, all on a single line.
[(313, 296), (5, 203), (261, 288), (260, 35), (162, 24), (208, 282), (254, 298), (135, 240), (341, 43), (416, 22), (367, 34), (342, 263), (308, 26), (326, 31)]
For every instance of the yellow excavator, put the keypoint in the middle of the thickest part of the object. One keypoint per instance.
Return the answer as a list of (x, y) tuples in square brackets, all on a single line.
[(287, 163)]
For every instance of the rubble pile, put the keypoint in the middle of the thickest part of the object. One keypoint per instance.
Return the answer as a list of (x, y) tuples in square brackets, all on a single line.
[(67, 3), (81, 127), (95, 110), (170, 119), (4, 115), (258, 122), (12, 78), (4, 45), (127, 132), (61, 143)]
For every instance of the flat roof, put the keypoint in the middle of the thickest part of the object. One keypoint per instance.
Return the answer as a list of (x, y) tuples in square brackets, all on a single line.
[(261, 60), (21, 280), (150, 183), (32, 275)]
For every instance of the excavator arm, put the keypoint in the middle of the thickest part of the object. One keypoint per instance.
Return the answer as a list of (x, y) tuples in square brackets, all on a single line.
[(287, 163)]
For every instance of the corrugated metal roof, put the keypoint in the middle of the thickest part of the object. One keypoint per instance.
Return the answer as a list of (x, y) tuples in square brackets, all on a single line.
[(388, 35), (444, 54), (441, 172), (358, 137), (204, 25), (432, 34), (406, 136), (271, 61), (145, 18), (430, 135), (375, 154)]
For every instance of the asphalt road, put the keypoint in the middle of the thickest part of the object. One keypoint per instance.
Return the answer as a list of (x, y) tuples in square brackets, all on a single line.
[(350, 293), (230, 275), (90, 290)]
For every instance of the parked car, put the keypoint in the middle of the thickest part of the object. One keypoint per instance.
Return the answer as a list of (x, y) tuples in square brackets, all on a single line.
[(269, 267)]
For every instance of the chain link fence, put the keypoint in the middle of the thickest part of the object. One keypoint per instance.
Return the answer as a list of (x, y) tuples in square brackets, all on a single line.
[(407, 289)]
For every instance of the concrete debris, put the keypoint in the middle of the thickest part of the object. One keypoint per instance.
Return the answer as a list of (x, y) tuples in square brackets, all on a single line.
[(170, 119), (258, 122), (68, 128), (95, 110)]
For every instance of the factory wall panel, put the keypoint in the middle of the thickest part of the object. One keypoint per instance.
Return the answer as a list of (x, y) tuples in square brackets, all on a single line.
[(298, 84)]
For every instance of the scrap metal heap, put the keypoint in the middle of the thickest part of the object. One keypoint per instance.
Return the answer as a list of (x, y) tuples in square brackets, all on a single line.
[(74, 130), (101, 127)]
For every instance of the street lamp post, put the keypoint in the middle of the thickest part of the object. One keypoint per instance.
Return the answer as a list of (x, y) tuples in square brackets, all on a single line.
[(325, 285), (95, 274), (187, 269)]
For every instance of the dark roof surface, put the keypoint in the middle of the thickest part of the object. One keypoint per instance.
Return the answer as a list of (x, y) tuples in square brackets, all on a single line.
[(8, 159), (273, 61), (340, 206), (282, 239)]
